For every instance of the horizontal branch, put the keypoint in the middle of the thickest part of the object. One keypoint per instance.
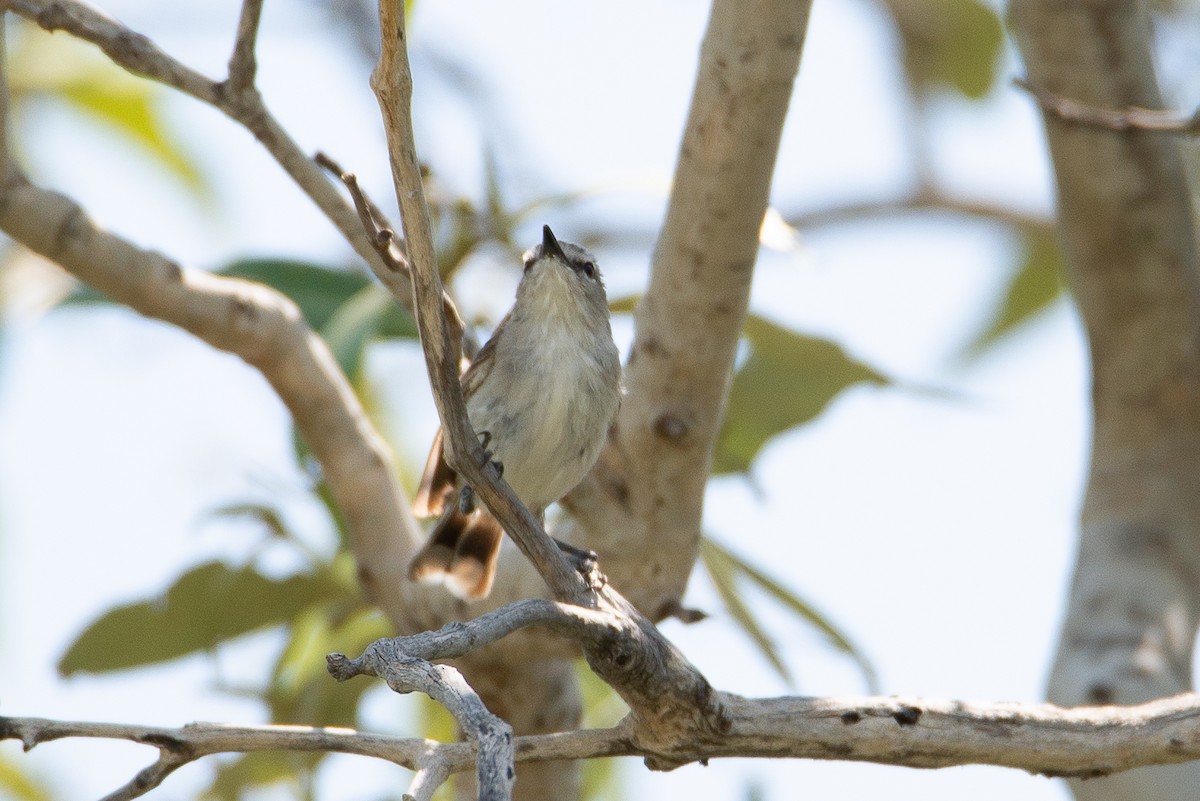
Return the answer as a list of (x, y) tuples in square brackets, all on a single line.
[(1131, 118), (923, 201), (907, 732)]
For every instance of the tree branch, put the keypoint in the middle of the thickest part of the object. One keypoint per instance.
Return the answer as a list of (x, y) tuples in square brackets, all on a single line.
[(242, 66), (397, 275), (908, 732), (243, 104), (1131, 118), (404, 672), (921, 201)]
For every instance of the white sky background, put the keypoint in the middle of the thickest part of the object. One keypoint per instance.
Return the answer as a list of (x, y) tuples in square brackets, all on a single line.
[(936, 532)]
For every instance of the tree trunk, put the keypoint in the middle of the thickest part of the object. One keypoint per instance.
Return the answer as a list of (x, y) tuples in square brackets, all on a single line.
[(1126, 222)]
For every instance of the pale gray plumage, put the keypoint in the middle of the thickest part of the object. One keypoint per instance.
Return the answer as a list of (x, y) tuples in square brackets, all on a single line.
[(546, 388)]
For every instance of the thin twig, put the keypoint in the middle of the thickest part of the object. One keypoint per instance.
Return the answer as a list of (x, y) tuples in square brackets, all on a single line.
[(242, 64), (392, 82), (1132, 118), (398, 275), (374, 221)]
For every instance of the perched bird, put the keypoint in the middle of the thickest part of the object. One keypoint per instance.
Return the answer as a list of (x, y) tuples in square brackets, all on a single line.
[(541, 394)]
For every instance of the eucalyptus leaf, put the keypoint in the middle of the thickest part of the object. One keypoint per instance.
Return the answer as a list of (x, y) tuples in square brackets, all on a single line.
[(802, 609), (235, 778), (955, 43), (70, 71), (787, 379), (723, 571), (319, 290), (356, 323), (205, 606), (1036, 284)]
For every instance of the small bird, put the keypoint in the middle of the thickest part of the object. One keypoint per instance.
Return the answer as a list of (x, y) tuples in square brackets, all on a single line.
[(541, 394)]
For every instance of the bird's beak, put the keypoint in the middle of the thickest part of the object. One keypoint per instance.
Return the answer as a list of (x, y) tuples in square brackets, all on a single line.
[(550, 246)]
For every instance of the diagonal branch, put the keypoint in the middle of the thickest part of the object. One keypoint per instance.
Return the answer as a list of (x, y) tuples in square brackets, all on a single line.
[(392, 82), (243, 104), (266, 330)]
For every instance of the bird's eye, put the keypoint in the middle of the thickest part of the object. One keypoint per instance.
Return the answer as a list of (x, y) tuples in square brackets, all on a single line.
[(588, 268)]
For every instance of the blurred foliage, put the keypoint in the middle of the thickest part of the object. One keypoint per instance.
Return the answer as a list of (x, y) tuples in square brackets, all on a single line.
[(954, 43), (788, 379), (61, 69), (202, 608), (730, 573), (17, 785), (1036, 283)]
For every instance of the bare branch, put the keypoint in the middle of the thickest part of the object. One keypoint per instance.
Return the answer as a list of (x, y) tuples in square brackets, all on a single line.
[(397, 276), (491, 737), (140, 56), (922, 201), (150, 776), (910, 732), (392, 82), (242, 66), (1132, 118)]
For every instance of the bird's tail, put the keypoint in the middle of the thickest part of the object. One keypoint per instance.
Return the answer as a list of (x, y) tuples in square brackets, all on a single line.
[(461, 553)]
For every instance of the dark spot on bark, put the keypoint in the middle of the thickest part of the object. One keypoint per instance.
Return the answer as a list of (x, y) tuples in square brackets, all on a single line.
[(1101, 694), (509, 773), (653, 348), (851, 717), (1176, 742), (907, 715), (838, 749), (620, 493), (622, 659), (670, 427)]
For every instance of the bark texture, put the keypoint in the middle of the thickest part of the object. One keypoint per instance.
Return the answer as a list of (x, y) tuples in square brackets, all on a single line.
[(1126, 222)]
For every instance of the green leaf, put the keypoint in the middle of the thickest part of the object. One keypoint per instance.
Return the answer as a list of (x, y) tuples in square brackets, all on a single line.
[(1035, 285), (949, 42), (301, 691), (723, 570), (318, 290), (354, 324), (67, 70), (793, 602), (206, 605), (787, 380)]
